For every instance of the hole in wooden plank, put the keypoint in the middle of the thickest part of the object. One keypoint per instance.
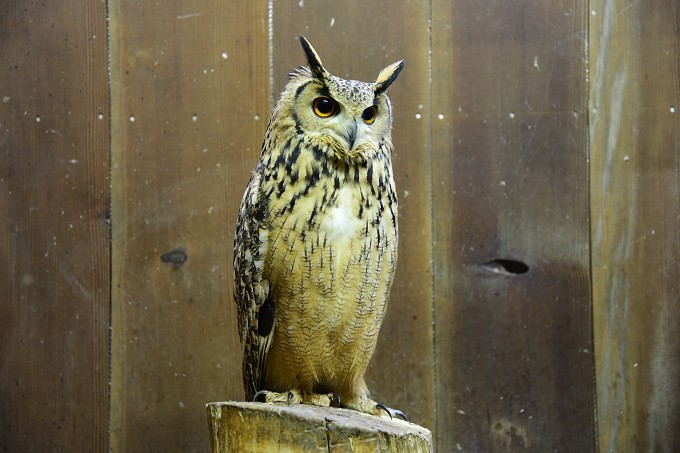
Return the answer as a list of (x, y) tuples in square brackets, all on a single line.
[(506, 267), (174, 257)]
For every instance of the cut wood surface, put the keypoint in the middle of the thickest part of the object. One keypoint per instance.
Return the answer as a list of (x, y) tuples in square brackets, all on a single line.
[(258, 427)]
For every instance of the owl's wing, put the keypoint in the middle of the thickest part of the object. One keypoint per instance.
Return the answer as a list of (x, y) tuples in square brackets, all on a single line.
[(251, 291)]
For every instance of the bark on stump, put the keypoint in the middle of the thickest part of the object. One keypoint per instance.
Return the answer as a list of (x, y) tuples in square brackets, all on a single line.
[(258, 427)]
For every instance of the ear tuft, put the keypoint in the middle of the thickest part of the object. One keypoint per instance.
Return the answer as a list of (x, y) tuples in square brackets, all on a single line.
[(387, 76), (313, 60)]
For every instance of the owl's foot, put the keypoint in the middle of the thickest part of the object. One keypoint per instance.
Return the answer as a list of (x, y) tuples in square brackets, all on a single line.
[(369, 406), (298, 397)]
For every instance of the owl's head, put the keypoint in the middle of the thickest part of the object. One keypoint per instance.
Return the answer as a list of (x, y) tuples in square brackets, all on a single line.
[(347, 117)]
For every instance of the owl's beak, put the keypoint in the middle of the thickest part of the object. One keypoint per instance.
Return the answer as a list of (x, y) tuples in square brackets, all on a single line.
[(351, 134)]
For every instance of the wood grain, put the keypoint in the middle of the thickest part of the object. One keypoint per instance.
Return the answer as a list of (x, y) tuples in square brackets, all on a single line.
[(494, 119), (635, 162), (189, 83), (54, 233), (355, 44), (514, 352), (262, 427)]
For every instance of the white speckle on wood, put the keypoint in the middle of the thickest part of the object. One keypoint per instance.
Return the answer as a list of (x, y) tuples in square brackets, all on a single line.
[(188, 16)]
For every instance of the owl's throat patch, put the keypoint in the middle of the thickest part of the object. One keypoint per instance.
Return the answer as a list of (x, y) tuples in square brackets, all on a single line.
[(340, 221)]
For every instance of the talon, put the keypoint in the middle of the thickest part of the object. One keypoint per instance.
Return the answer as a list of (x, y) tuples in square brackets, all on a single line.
[(399, 413), (335, 400), (261, 396), (385, 408)]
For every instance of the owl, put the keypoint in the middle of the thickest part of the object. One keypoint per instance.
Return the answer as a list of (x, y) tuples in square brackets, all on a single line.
[(315, 248)]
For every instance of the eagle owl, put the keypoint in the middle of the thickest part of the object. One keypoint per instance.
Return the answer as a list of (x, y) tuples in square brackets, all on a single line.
[(316, 241)]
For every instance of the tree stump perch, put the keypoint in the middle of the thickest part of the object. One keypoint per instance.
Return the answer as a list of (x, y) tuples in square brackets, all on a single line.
[(259, 427)]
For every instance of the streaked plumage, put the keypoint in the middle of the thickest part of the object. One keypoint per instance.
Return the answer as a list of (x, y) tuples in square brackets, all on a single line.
[(316, 240)]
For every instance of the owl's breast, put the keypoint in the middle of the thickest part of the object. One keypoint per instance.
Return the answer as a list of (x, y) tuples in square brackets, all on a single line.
[(331, 258)]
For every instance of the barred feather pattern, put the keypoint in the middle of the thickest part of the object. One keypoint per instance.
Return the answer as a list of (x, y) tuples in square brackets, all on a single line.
[(315, 249), (330, 287)]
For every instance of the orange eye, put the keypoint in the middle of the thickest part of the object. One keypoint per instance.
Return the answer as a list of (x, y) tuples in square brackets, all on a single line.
[(369, 114), (325, 106)]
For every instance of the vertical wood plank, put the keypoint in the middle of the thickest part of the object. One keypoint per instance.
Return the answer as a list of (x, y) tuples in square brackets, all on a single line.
[(510, 181), (635, 184), (356, 44), (190, 95), (54, 235)]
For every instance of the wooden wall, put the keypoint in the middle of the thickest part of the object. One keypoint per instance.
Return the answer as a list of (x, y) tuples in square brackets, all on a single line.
[(537, 301), (635, 222), (510, 182), (54, 226)]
